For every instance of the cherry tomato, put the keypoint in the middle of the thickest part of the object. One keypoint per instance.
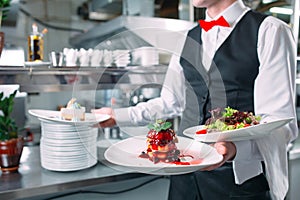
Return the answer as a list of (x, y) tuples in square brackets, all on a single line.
[(202, 131)]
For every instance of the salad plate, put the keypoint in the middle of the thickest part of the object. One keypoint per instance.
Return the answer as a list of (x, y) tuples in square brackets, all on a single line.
[(246, 133), (126, 154), (54, 116)]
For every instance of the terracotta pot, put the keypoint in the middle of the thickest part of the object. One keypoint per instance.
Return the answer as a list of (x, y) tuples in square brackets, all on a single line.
[(2, 38), (10, 154)]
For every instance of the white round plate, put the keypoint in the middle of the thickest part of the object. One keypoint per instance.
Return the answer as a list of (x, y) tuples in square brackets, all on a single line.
[(68, 165), (61, 158), (53, 126), (247, 133), (67, 147), (66, 156), (61, 136), (88, 131), (66, 168), (69, 157), (79, 142), (126, 153), (69, 135), (50, 115)]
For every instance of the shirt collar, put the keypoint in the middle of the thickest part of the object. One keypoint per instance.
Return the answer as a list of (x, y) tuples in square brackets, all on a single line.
[(232, 13)]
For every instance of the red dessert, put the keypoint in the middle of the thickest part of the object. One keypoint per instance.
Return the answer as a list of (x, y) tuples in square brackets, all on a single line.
[(161, 143)]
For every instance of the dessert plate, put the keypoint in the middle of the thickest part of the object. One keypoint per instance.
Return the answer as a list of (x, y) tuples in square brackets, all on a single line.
[(54, 116), (126, 154), (247, 133)]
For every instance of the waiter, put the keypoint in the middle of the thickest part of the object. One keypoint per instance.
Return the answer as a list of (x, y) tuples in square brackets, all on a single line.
[(237, 58)]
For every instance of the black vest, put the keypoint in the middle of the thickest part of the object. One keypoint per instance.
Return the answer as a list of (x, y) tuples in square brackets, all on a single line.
[(230, 79)]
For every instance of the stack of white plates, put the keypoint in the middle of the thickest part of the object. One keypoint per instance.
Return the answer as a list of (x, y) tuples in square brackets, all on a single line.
[(121, 57), (68, 147), (145, 56)]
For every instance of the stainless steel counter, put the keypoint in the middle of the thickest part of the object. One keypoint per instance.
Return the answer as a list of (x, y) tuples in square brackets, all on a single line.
[(32, 180)]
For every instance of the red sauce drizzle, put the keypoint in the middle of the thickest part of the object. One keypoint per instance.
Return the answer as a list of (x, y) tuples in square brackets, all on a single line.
[(193, 162), (180, 163)]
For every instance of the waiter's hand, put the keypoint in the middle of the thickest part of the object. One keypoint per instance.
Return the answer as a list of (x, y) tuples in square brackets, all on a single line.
[(108, 111), (227, 149)]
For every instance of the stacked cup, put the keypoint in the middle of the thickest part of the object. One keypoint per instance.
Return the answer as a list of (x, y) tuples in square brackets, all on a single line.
[(121, 58), (145, 56)]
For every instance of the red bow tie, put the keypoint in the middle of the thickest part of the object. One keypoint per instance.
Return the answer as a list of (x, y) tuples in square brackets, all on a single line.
[(208, 25)]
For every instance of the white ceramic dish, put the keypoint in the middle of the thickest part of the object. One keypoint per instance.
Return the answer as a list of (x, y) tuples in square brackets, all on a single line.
[(67, 146), (248, 133), (64, 167), (126, 154), (50, 115)]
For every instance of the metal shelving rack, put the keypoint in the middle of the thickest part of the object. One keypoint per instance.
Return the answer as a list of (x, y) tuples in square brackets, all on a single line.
[(44, 79)]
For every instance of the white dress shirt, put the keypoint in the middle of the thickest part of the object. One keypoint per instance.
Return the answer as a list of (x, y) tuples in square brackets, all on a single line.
[(274, 91)]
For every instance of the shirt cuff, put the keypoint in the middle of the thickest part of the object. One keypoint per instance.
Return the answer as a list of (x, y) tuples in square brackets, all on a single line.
[(122, 116), (247, 161), (246, 150)]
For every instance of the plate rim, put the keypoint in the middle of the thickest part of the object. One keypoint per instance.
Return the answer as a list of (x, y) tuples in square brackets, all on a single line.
[(31, 112), (160, 170), (288, 119)]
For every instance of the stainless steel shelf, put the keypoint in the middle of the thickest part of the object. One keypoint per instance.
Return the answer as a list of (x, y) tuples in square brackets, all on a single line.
[(44, 79)]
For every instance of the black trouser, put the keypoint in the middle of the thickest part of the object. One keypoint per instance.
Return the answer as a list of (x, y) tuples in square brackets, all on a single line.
[(217, 185)]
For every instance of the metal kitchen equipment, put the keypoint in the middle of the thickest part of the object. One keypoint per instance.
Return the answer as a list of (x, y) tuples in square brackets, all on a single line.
[(130, 32)]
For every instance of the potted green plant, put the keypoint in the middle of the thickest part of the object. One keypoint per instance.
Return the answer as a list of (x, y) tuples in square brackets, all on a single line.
[(11, 144), (4, 7)]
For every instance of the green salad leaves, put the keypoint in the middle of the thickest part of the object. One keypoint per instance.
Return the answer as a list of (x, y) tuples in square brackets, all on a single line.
[(230, 119)]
